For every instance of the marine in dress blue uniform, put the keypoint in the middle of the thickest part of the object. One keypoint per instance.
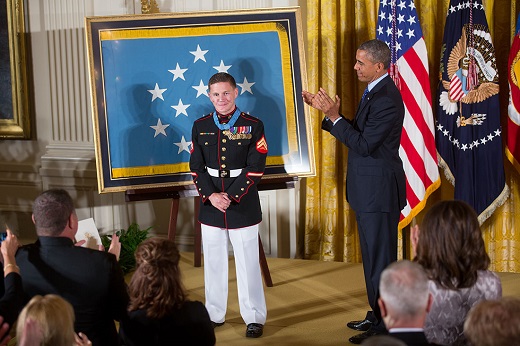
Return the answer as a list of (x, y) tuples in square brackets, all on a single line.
[(227, 161)]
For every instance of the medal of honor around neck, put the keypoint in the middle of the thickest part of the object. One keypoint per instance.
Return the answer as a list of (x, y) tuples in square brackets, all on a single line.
[(230, 123)]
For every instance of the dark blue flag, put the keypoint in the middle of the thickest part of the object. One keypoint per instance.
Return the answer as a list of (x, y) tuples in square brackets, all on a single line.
[(469, 135)]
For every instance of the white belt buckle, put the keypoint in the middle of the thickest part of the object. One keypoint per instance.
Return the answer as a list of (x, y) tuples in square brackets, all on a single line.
[(224, 173)]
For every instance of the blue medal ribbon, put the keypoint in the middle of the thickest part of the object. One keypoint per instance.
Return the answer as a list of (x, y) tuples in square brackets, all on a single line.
[(231, 121)]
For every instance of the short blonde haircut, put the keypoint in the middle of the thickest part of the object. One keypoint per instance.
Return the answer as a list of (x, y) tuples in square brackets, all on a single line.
[(53, 315), (494, 323)]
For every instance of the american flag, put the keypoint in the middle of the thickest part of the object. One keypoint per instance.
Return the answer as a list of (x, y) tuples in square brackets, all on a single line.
[(398, 25)]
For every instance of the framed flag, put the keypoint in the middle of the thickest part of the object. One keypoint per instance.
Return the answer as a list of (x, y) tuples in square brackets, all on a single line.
[(149, 76)]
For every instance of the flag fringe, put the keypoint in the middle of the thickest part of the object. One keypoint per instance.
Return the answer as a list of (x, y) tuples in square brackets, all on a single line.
[(446, 169), (420, 206), (499, 201)]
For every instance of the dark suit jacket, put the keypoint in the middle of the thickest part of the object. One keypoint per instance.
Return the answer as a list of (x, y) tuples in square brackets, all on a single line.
[(375, 176), (189, 325), (412, 338), (90, 280), (12, 300), (245, 147)]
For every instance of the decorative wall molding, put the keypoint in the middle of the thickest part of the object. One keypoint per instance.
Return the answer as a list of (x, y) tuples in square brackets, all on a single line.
[(205, 5), (62, 156)]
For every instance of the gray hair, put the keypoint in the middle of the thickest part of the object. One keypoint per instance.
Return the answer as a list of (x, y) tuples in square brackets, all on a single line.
[(377, 51), (404, 287)]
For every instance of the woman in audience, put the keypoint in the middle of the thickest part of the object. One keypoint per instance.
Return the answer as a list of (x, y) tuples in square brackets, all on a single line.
[(494, 323), (450, 247), (48, 321), (159, 311)]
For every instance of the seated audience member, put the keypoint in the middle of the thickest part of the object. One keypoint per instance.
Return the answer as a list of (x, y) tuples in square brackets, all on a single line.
[(48, 321), (449, 246), (159, 312), (91, 280), (494, 323), (382, 340), (405, 301)]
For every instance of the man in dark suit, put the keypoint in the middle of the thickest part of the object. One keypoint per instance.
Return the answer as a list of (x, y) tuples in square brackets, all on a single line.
[(91, 280), (227, 162), (405, 300), (376, 186)]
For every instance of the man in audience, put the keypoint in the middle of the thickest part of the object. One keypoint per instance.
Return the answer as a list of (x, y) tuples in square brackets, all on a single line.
[(405, 301), (494, 323), (91, 280)]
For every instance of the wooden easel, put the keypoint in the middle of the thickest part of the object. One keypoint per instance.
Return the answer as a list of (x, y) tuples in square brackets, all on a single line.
[(178, 192)]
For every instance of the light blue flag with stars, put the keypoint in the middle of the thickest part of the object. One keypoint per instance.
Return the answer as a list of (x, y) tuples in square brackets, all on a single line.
[(156, 87)]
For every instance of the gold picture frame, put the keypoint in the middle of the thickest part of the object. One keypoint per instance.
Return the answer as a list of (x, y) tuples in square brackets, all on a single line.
[(128, 55), (14, 104)]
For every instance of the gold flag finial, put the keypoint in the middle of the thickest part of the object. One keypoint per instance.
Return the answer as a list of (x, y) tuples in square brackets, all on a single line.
[(149, 6)]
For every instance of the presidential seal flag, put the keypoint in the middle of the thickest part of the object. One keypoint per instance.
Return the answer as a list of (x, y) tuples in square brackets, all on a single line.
[(513, 121), (398, 26), (468, 132)]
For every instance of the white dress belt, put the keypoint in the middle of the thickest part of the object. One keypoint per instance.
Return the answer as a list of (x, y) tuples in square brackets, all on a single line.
[(224, 173)]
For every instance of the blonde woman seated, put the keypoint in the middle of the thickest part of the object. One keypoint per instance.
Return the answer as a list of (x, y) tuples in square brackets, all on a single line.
[(159, 312), (450, 248), (48, 321)]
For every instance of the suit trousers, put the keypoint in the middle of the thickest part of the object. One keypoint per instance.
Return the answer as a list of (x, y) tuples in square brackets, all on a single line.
[(378, 240), (251, 297)]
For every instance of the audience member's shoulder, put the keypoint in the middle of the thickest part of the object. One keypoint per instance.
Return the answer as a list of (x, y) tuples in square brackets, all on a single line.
[(195, 304), (27, 248), (95, 254), (195, 308), (488, 275), (490, 283)]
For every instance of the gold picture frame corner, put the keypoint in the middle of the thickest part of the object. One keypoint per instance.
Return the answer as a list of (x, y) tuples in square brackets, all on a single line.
[(16, 125)]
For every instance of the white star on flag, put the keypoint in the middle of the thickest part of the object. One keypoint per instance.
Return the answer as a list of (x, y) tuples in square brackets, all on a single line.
[(157, 93), (222, 67), (178, 72), (183, 145), (199, 54), (246, 86), (180, 108), (201, 89), (159, 128), (399, 27)]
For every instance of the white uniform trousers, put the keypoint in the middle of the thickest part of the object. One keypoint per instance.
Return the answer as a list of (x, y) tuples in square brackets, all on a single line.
[(249, 277)]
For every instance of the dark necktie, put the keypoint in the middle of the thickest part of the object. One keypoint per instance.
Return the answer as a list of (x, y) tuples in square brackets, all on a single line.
[(365, 93)]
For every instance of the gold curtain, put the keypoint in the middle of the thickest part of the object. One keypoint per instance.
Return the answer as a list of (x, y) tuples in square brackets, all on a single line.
[(335, 28)]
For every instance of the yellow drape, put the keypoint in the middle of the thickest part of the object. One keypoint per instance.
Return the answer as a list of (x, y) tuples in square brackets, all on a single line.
[(334, 30)]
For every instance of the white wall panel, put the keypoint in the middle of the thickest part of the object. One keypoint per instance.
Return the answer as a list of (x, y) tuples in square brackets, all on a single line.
[(62, 152)]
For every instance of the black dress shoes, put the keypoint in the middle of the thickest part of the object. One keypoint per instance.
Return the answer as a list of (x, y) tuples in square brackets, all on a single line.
[(362, 325), (254, 330), (217, 324), (359, 338)]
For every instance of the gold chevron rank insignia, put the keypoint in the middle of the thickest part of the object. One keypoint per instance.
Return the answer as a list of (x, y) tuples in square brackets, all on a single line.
[(261, 145)]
